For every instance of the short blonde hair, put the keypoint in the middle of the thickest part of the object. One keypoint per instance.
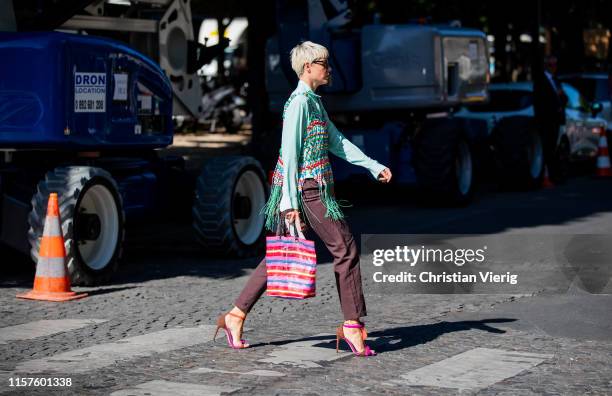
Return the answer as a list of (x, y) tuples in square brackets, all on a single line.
[(306, 52)]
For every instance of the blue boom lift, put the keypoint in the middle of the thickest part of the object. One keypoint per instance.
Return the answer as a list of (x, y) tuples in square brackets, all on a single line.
[(83, 116)]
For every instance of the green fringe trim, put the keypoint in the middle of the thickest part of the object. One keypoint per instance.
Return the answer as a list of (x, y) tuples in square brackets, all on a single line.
[(271, 208), (333, 207)]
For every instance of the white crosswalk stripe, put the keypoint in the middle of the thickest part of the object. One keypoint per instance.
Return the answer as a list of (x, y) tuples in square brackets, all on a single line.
[(102, 355), (260, 373), (472, 370), (306, 354), (167, 388), (43, 328)]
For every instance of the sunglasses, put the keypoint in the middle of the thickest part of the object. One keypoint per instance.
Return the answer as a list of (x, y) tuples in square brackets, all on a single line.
[(323, 63)]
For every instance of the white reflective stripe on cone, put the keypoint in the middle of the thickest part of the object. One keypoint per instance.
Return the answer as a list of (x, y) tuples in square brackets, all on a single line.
[(51, 267), (603, 161), (52, 226), (603, 142)]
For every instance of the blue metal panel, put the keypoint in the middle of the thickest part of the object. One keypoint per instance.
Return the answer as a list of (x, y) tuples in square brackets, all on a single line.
[(385, 145), (138, 193), (345, 60), (401, 158), (39, 107), (30, 110)]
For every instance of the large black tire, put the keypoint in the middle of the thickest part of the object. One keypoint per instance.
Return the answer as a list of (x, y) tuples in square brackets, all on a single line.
[(443, 163), (519, 154), (91, 213), (230, 193)]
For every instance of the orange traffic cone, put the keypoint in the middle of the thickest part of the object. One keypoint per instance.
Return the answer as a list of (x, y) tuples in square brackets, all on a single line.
[(546, 182), (51, 282), (603, 160)]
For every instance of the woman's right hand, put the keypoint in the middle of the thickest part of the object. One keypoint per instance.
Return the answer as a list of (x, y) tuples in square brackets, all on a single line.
[(385, 176), (292, 215)]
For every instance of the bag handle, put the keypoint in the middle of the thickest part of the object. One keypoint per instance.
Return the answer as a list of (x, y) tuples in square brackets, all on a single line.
[(297, 228), (278, 228)]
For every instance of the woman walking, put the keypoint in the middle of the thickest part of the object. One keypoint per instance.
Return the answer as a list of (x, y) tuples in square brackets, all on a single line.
[(303, 188)]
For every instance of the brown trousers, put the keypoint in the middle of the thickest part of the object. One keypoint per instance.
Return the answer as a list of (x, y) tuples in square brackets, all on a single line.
[(339, 241)]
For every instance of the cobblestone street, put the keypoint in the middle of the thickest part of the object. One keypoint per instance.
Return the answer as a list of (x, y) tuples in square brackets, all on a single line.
[(305, 198), (150, 332)]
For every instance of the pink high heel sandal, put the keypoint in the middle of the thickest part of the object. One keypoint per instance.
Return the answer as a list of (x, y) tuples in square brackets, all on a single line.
[(340, 335), (230, 340)]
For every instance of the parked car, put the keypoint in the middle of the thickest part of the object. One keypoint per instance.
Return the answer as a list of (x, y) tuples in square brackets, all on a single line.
[(584, 124), (577, 139), (595, 88)]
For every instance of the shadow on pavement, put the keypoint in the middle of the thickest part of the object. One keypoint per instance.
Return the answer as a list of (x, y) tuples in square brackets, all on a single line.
[(105, 290), (168, 264), (404, 337)]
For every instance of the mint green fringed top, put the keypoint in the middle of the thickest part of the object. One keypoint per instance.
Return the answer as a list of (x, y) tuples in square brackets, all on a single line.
[(308, 136)]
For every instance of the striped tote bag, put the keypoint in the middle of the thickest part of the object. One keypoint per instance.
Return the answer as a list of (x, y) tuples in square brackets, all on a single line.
[(291, 265)]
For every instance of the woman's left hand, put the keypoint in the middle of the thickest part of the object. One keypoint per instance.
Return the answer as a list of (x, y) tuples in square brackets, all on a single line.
[(385, 176)]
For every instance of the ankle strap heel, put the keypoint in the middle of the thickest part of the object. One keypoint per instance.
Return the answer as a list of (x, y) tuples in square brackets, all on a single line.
[(239, 344), (360, 325), (341, 336), (237, 316)]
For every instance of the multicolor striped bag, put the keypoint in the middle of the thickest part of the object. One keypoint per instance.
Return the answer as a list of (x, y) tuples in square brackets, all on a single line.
[(291, 264)]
